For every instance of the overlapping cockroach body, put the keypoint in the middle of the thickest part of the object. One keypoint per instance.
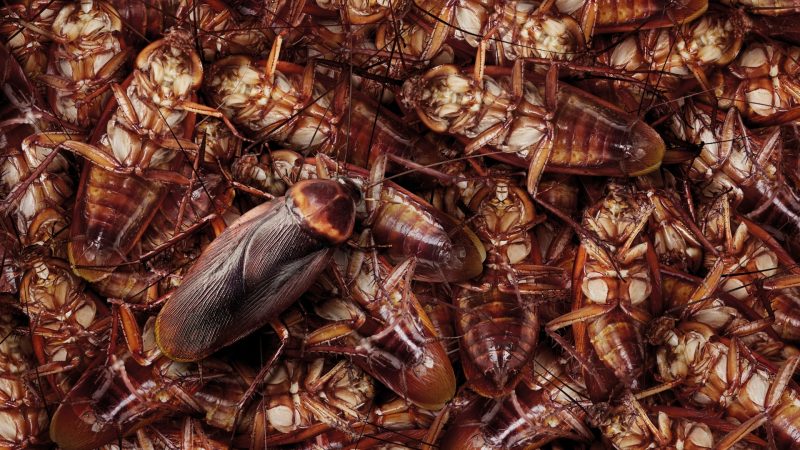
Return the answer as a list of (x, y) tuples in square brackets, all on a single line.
[(370, 224)]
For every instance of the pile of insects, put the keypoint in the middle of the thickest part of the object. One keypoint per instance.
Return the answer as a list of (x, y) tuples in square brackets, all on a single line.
[(452, 224)]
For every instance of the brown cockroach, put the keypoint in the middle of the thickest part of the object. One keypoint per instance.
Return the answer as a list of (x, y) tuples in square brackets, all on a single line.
[(375, 319), (388, 440), (749, 254), (10, 271), (608, 16), (23, 111), (545, 406), (86, 57), (172, 242), (23, 415), (311, 219), (496, 315), (286, 103), (145, 20), (37, 179), (717, 373), (393, 423), (533, 122), (69, 325), (561, 192), (435, 300), (445, 250), (627, 425), (761, 83), (664, 59), (243, 279), (513, 30), (124, 179), (115, 398), (377, 59), (617, 287), (181, 432), (359, 13), (219, 28), (722, 312), (25, 27), (306, 398), (736, 162)]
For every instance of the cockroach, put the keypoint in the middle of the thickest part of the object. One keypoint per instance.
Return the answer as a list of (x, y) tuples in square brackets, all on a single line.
[(219, 28), (627, 425), (606, 16), (168, 246), (388, 440), (561, 192), (375, 319), (28, 193), (701, 300), (761, 83), (10, 271), (720, 374), (180, 432), (355, 14), (676, 238), (124, 179), (750, 254), (23, 111), (434, 299), (513, 30), (533, 122), (26, 30), (496, 315), (376, 60), (69, 325), (22, 408), (88, 55), (617, 287), (546, 406), (286, 103), (767, 8), (246, 276), (744, 166), (389, 424), (303, 399), (664, 59), (113, 400)]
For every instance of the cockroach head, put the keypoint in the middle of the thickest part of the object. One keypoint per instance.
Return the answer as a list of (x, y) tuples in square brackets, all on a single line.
[(352, 188), (660, 330)]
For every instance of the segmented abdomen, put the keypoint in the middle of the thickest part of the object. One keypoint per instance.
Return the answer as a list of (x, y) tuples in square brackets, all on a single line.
[(498, 339), (591, 137), (111, 212)]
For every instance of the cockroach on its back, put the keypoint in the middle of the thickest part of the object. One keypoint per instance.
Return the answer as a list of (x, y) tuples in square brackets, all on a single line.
[(533, 122), (617, 287), (129, 165), (85, 59)]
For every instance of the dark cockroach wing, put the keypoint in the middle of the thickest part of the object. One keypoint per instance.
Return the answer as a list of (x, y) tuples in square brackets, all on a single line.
[(255, 269)]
